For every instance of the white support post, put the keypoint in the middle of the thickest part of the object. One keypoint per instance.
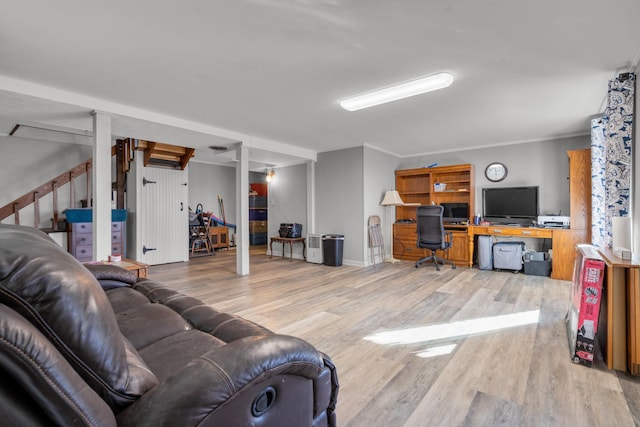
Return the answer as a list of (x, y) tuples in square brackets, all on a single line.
[(242, 209), (101, 186), (311, 196)]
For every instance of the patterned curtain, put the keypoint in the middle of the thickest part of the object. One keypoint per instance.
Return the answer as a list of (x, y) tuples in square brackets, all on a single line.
[(611, 159), (598, 186)]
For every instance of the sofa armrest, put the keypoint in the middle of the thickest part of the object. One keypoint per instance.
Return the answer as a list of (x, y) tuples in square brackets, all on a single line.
[(209, 390), (43, 374)]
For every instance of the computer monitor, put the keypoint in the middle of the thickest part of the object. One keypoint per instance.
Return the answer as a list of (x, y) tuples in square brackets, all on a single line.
[(455, 212)]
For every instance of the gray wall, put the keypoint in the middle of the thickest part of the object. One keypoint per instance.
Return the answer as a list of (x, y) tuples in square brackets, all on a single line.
[(340, 199), (379, 177), (350, 183), (542, 163)]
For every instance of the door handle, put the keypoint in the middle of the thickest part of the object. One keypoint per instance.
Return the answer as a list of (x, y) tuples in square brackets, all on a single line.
[(181, 206), (145, 181), (146, 249)]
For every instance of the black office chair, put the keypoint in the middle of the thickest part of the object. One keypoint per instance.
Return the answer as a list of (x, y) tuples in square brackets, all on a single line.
[(432, 235)]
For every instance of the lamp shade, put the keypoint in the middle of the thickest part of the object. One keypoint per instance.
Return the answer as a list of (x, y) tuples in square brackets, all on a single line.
[(392, 198)]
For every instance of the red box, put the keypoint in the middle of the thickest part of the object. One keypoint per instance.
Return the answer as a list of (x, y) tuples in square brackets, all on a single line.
[(584, 309)]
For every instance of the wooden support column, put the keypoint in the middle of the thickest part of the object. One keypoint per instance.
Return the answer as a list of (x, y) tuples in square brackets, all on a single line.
[(121, 166), (101, 188), (54, 189), (72, 190), (36, 209), (88, 178), (16, 213)]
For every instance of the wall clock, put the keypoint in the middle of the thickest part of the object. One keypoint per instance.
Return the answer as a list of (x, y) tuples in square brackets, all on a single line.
[(496, 172)]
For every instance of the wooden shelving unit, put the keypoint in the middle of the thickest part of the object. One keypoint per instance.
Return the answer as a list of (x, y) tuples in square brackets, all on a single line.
[(416, 188), (565, 241)]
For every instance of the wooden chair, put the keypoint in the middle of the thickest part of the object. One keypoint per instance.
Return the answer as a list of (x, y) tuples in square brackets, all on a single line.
[(200, 237)]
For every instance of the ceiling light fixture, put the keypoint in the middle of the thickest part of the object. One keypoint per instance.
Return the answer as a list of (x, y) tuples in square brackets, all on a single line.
[(218, 148), (270, 174), (399, 91)]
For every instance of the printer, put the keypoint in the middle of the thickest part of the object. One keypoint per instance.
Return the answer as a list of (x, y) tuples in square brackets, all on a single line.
[(553, 221)]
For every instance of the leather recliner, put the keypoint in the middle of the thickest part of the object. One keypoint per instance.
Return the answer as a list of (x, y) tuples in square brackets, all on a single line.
[(92, 345)]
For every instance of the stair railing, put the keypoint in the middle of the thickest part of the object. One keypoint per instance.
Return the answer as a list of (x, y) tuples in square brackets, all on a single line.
[(34, 196)]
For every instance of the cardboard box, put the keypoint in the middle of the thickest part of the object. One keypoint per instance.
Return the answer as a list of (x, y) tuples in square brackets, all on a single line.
[(584, 307)]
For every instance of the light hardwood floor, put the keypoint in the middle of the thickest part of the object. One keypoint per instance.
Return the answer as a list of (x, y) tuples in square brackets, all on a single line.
[(517, 376)]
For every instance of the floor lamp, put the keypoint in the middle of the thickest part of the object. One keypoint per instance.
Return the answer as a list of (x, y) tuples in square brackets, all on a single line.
[(391, 198)]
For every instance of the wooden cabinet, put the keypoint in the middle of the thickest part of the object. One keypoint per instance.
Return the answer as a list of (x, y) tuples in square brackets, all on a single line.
[(619, 328), (580, 189), (219, 237), (458, 252), (565, 241), (564, 252), (416, 188), (80, 241), (405, 237)]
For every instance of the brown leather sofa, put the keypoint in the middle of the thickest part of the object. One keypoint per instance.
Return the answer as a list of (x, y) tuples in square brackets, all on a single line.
[(94, 346)]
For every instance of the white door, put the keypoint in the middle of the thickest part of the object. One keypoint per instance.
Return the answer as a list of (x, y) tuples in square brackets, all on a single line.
[(162, 216)]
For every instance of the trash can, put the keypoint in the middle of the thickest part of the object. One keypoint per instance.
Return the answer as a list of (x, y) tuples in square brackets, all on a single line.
[(332, 246)]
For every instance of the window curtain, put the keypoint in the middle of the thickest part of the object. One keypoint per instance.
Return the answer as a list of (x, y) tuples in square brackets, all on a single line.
[(611, 159)]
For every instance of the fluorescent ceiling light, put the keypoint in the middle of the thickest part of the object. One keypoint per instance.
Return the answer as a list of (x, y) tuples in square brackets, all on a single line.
[(399, 91)]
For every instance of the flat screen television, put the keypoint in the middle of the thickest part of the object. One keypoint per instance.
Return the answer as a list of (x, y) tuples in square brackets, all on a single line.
[(510, 203), (455, 212)]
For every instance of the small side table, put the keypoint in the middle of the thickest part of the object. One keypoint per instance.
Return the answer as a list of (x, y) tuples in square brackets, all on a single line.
[(290, 241), (139, 268)]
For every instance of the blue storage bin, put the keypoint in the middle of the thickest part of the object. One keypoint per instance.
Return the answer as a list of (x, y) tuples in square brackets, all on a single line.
[(257, 201), (86, 215), (258, 239), (257, 214)]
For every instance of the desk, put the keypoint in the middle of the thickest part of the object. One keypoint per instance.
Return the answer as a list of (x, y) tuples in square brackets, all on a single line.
[(564, 243), (290, 241), (504, 230), (619, 329)]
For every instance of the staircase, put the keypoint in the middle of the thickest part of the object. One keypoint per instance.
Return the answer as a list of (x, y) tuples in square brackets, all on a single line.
[(82, 170), (155, 154), (33, 196)]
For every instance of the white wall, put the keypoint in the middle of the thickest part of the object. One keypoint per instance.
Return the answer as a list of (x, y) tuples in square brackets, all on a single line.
[(26, 164), (635, 186), (207, 182), (287, 203)]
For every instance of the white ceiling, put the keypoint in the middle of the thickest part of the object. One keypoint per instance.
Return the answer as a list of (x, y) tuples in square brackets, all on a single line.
[(270, 73)]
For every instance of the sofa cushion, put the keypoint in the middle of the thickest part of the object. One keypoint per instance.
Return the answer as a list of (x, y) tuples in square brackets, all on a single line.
[(224, 326), (111, 272), (55, 292), (164, 360)]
